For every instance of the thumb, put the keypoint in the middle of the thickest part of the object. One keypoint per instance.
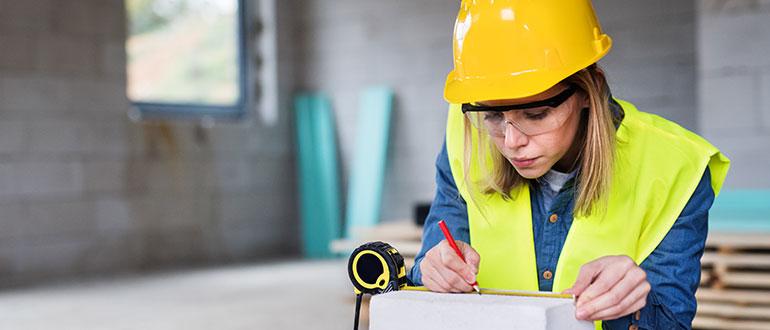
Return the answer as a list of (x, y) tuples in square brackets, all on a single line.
[(472, 257)]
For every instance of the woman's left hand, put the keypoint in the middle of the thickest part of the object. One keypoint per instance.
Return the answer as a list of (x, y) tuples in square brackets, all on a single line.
[(609, 288)]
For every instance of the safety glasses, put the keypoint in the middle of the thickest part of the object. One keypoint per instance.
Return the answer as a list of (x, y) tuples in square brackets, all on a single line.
[(531, 118)]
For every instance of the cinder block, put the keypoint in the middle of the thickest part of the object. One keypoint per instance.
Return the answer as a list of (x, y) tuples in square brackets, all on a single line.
[(11, 221), (50, 177), (59, 219), (25, 15), (49, 258), (731, 7), (67, 55), (105, 176), (428, 311), (114, 216), (32, 94), (764, 103), (664, 39), (619, 11), (58, 137), (75, 18), (160, 213), (114, 252), (97, 96), (250, 208), (176, 247), (749, 154), (728, 103), (107, 138), (734, 40), (18, 52), (12, 136), (9, 181), (113, 60)]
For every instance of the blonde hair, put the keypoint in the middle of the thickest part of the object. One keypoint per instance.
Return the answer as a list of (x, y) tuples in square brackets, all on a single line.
[(596, 136)]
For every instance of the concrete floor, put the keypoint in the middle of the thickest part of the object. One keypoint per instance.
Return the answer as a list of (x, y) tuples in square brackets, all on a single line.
[(290, 295)]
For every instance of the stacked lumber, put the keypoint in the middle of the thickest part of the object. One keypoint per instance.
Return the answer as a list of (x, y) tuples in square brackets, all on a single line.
[(735, 284), (403, 235)]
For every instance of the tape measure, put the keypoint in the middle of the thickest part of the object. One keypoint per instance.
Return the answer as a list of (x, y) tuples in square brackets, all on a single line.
[(376, 268)]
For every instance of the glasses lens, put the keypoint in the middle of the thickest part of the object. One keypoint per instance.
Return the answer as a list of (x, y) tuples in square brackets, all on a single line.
[(529, 121), (488, 122)]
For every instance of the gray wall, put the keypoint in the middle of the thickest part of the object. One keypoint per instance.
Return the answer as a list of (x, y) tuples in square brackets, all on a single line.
[(83, 190), (734, 90), (344, 45)]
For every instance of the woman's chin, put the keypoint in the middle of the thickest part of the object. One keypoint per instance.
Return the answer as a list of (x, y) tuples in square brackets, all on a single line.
[(531, 172)]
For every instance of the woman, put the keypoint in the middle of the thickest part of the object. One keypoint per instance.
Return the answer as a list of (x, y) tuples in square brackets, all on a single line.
[(549, 183)]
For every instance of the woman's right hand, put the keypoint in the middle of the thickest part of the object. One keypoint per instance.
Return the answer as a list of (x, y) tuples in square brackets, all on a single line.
[(444, 271)]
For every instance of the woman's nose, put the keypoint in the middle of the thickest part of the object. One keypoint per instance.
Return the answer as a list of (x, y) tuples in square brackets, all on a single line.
[(514, 138)]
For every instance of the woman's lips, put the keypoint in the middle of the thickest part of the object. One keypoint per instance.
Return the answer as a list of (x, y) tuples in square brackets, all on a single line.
[(523, 162)]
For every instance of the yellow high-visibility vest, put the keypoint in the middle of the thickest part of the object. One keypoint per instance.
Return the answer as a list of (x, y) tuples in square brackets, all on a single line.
[(658, 165)]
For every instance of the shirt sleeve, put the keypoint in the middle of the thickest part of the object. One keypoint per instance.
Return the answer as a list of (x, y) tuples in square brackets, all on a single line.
[(673, 268), (447, 205)]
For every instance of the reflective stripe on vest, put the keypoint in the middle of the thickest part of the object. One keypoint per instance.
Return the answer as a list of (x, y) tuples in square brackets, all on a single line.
[(658, 165)]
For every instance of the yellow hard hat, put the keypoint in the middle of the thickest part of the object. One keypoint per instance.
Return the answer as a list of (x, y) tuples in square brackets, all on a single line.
[(506, 49)]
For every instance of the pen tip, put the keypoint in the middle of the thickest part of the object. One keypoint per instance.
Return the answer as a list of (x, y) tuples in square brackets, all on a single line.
[(476, 287)]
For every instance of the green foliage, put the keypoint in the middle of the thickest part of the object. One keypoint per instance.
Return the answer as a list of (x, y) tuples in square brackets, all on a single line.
[(148, 15)]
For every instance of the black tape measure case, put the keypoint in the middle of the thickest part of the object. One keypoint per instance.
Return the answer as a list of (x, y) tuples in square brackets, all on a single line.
[(376, 268)]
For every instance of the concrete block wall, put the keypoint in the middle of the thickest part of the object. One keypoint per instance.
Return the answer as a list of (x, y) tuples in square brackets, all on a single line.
[(734, 89), (83, 190), (344, 45)]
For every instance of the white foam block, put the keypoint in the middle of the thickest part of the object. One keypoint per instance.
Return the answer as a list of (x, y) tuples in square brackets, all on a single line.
[(445, 311)]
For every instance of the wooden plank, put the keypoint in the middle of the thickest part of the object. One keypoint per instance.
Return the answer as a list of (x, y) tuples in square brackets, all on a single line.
[(736, 260), (733, 311), (405, 248), (744, 279), (744, 297), (705, 322), (705, 278), (401, 230), (739, 240)]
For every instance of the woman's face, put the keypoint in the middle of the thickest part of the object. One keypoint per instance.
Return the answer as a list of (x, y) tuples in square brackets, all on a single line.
[(533, 155)]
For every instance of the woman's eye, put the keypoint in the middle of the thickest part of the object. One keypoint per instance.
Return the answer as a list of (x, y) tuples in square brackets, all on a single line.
[(493, 116), (536, 115)]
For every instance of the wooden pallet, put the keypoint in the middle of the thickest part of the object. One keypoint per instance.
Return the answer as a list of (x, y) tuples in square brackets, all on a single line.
[(735, 282)]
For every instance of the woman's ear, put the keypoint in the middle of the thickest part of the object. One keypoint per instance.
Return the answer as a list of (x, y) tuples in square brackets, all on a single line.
[(585, 101)]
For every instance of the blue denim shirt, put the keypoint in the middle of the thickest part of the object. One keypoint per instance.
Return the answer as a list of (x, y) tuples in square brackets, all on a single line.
[(673, 268)]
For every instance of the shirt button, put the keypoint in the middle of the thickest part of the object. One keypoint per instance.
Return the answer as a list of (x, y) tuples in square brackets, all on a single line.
[(553, 218), (633, 327), (638, 315), (547, 275)]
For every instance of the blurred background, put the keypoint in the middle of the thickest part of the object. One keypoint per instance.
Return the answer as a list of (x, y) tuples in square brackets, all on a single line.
[(203, 164)]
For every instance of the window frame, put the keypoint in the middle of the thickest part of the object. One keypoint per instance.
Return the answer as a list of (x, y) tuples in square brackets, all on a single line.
[(181, 110)]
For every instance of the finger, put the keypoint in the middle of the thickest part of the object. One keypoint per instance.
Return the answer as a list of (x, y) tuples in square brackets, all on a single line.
[(431, 275), (586, 275), (605, 280), (452, 261), (633, 302), (636, 306), (429, 284), (433, 285), (472, 257), (614, 296), (457, 283)]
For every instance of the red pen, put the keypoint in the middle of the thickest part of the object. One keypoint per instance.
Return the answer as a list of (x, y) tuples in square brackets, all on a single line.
[(452, 243)]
